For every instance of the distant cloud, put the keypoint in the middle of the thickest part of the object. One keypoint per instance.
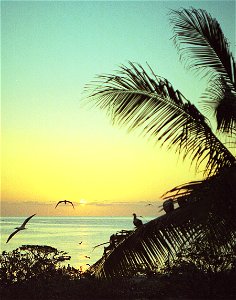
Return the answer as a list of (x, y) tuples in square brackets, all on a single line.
[(126, 203), (38, 203), (26, 202), (99, 204)]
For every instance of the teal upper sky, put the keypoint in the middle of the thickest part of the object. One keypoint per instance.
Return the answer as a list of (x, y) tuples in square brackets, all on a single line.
[(51, 49)]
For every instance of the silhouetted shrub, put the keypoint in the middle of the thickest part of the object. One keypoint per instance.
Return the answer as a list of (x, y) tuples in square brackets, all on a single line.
[(203, 257), (205, 271), (32, 261)]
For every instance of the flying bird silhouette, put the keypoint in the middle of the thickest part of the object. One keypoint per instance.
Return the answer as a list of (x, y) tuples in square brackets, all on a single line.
[(87, 256), (137, 222), (22, 227), (65, 201), (80, 243)]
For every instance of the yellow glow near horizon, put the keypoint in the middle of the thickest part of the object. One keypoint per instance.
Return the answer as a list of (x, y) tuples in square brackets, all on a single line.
[(110, 165), (129, 168)]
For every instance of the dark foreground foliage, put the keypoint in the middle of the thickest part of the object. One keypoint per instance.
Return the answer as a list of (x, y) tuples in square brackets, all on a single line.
[(32, 262), (36, 273), (184, 286)]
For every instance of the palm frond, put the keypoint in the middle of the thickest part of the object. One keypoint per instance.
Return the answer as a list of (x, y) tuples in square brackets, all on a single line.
[(220, 189), (152, 245), (205, 40), (208, 216), (220, 97), (207, 208), (205, 48), (137, 100)]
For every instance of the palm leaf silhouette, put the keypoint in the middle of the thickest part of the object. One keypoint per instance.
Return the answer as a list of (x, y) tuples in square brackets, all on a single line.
[(142, 100), (208, 216), (137, 100), (206, 49)]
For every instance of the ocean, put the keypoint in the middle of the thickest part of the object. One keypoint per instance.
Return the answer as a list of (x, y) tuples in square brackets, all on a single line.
[(66, 234)]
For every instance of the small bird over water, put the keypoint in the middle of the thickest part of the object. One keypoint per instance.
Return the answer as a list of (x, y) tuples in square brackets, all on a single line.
[(22, 227), (137, 222), (65, 201)]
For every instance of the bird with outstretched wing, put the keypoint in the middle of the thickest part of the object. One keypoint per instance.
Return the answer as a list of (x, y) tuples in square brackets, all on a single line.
[(64, 201), (22, 227)]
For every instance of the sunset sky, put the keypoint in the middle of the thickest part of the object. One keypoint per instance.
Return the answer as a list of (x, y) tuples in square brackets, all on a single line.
[(55, 147)]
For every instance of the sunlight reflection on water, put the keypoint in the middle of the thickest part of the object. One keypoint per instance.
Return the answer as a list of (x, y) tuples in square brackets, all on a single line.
[(65, 233)]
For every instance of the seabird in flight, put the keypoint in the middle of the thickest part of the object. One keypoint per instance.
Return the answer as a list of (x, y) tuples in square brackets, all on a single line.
[(137, 222), (22, 227), (65, 201)]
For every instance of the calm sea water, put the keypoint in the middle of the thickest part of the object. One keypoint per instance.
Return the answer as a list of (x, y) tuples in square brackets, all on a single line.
[(65, 233)]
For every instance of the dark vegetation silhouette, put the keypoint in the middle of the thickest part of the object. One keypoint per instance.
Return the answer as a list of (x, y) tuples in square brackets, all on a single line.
[(39, 272), (32, 262), (139, 99)]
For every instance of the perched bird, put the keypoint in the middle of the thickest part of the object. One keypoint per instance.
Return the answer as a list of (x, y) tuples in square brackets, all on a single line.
[(168, 205), (137, 222), (22, 227), (64, 201)]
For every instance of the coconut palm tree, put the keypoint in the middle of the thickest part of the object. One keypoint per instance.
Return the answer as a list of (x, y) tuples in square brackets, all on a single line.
[(138, 98)]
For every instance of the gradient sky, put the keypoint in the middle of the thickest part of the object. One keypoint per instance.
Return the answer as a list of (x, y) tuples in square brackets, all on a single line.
[(55, 148)]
